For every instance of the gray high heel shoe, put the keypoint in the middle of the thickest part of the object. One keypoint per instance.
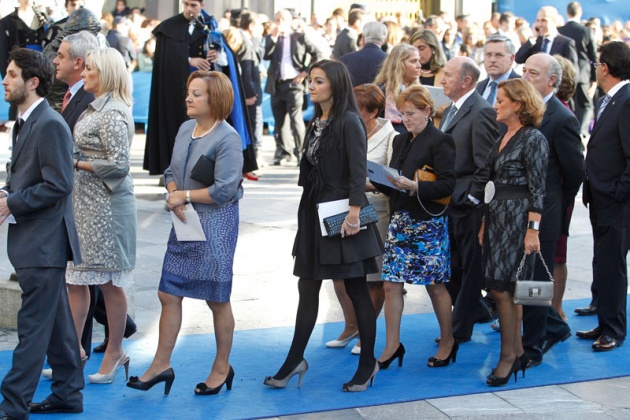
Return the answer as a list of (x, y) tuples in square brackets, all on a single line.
[(300, 369), (350, 387), (108, 378)]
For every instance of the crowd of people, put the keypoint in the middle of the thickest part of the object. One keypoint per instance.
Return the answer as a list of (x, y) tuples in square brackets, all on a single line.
[(483, 125)]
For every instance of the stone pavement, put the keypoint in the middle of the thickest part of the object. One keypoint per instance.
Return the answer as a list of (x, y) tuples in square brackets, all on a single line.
[(264, 284)]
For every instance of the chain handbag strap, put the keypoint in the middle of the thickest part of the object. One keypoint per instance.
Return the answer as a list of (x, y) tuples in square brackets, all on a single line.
[(428, 212), (522, 264)]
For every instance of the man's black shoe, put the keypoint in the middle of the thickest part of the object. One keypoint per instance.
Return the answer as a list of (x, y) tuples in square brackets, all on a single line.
[(606, 343), (49, 407), (590, 334), (588, 310), (533, 363), (550, 342), (101, 347)]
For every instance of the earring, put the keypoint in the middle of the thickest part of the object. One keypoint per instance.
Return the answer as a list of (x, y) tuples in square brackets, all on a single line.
[(426, 118)]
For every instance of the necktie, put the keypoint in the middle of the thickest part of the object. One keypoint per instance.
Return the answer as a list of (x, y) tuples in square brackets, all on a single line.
[(545, 45), (492, 96), (16, 130), (449, 117), (66, 99), (603, 106)]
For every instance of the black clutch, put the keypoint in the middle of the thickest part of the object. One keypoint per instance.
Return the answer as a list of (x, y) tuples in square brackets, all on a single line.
[(203, 171), (366, 216)]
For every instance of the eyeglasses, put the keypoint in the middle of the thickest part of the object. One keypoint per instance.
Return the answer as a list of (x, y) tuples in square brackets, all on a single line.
[(596, 64)]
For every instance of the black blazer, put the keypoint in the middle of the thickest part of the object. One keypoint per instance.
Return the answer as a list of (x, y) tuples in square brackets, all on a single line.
[(433, 148), (76, 106), (40, 193), (481, 86), (475, 131), (305, 50), (586, 49), (565, 170), (364, 65), (561, 45), (343, 170), (345, 43), (607, 185)]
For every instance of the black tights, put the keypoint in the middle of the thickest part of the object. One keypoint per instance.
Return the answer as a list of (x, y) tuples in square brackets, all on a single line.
[(307, 315)]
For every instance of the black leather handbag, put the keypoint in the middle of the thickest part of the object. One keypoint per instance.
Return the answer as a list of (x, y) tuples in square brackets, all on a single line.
[(367, 216)]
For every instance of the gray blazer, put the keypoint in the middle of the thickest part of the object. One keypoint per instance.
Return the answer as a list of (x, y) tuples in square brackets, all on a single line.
[(40, 193)]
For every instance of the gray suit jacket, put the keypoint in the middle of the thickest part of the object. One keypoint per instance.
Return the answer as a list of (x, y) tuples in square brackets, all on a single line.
[(475, 131), (40, 193)]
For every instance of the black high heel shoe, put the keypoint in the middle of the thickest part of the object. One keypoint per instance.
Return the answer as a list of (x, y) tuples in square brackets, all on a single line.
[(523, 360), (435, 362), (168, 376), (352, 387), (300, 369), (203, 389), (398, 354), (494, 380)]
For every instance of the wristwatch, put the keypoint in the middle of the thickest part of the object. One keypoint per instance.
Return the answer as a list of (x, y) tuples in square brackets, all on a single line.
[(187, 196), (533, 225)]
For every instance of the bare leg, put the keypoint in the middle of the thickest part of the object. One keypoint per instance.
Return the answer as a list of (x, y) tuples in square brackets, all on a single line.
[(442, 306), (223, 334), (116, 306), (508, 318), (79, 298), (170, 323), (347, 308), (559, 286), (394, 305)]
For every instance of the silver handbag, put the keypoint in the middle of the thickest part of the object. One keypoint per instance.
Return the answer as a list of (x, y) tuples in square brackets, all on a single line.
[(533, 292)]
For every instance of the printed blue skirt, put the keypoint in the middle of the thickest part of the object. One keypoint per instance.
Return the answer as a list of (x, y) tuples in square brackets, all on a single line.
[(417, 251), (203, 270)]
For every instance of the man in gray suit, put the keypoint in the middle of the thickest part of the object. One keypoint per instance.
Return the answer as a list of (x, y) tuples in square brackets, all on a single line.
[(42, 238), (471, 121)]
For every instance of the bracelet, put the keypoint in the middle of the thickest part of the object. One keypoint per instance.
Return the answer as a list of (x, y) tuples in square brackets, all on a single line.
[(414, 189), (188, 196), (76, 164), (533, 225), (357, 225)]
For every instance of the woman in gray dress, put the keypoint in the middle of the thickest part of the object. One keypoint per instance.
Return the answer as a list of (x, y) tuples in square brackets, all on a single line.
[(205, 172), (518, 168), (104, 203)]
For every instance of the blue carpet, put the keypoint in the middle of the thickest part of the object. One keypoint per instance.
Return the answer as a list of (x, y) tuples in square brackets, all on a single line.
[(257, 353)]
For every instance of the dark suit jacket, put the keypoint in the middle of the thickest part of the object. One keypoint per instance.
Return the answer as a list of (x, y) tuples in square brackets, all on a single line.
[(305, 50), (364, 65), (345, 43), (475, 131), (481, 86), (76, 106), (607, 186), (565, 170), (561, 45), (585, 47), (123, 44), (40, 193)]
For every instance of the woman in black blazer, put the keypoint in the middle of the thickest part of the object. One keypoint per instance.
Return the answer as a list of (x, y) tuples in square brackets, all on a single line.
[(333, 167), (417, 247)]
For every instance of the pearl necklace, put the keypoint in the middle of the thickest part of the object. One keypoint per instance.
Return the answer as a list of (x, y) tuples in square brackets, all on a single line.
[(373, 130), (206, 133)]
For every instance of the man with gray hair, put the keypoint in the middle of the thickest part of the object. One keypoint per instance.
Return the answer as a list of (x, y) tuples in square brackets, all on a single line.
[(364, 65), (498, 60), (543, 327)]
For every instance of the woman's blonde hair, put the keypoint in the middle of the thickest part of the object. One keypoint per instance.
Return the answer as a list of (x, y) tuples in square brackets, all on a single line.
[(522, 92), (114, 79), (438, 60), (220, 92), (391, 74), (234, 38)]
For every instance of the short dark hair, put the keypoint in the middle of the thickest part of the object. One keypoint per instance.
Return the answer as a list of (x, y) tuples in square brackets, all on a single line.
[(505, 17), (247, 18), (616, 56), (573, 9), (34, 64), (354, 15)]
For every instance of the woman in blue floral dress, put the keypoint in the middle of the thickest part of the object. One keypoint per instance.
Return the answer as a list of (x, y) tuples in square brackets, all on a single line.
[(417, 246)]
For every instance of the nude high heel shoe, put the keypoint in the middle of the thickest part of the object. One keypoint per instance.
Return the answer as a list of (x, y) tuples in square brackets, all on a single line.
[(300, 369), (108, 378)]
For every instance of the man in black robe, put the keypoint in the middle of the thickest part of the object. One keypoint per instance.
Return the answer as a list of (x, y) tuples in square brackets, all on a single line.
[(179, 50)]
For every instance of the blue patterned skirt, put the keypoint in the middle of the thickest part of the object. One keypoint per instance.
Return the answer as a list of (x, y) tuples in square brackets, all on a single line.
[(203, 270), (417, 251)]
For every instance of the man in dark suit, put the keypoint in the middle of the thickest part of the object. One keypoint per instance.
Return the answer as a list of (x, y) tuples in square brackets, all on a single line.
[(472, 122), (498, 61), (548, 39), (543, 327), (607, 193), (346, 41), (118, 39), (364, 65), (587, 55), (38, 195), (289, 53)]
